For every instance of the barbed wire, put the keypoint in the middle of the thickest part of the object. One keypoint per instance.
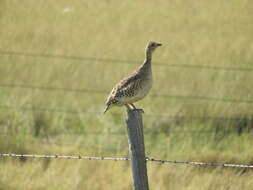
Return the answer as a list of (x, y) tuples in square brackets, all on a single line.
[(124, 159), (71, 57), (201, 163), (84, 90)]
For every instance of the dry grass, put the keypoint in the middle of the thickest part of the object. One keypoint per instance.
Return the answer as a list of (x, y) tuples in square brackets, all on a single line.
[(67, 174)]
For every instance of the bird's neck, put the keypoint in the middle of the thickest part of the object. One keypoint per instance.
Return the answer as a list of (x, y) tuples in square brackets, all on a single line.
[(148, 57), (146, 66)]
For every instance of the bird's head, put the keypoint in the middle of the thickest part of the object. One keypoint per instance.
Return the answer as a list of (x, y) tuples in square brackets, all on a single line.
[(152, 46)]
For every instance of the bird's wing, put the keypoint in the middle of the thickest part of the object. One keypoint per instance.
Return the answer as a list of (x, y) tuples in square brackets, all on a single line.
[(125, 88), (128, 81)]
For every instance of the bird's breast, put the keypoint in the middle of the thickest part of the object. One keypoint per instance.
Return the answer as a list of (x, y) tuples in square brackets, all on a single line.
[(144, 89)]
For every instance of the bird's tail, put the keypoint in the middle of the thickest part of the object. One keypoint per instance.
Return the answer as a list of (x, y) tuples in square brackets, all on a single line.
[(106, 109)]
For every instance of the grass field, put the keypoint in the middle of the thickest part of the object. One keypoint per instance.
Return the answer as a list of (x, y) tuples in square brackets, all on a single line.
[(199, 109)]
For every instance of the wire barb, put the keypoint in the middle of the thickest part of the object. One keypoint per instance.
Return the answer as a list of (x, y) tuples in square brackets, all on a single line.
[(102, 158)]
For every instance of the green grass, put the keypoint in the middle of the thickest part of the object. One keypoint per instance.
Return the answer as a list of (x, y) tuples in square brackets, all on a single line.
[(196, 37)]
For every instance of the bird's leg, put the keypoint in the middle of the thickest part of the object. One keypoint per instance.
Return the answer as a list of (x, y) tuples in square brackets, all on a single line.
[(133, 106), (128, 107), (136, 108)]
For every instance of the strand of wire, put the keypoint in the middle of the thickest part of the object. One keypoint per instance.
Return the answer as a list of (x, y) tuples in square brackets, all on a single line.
[(76, 112), (71, 57), (153, 132), (124, 159), (83, 90)]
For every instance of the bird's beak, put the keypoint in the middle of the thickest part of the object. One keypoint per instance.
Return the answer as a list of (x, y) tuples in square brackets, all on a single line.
[(158, 44)]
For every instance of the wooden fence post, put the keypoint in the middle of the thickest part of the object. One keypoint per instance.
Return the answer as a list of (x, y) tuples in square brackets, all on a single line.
[(137, 149)]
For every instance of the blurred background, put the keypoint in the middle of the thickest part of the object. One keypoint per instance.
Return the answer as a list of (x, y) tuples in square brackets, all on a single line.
[(60, 59)]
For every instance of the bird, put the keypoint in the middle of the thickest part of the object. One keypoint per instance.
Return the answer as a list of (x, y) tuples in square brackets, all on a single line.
[(135, 86)]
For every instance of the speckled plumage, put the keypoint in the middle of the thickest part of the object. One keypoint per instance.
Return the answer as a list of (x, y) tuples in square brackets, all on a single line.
[(134, 87)]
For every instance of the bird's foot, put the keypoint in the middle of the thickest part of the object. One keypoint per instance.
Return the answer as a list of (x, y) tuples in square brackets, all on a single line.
[(140, 110), (134, 108)]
